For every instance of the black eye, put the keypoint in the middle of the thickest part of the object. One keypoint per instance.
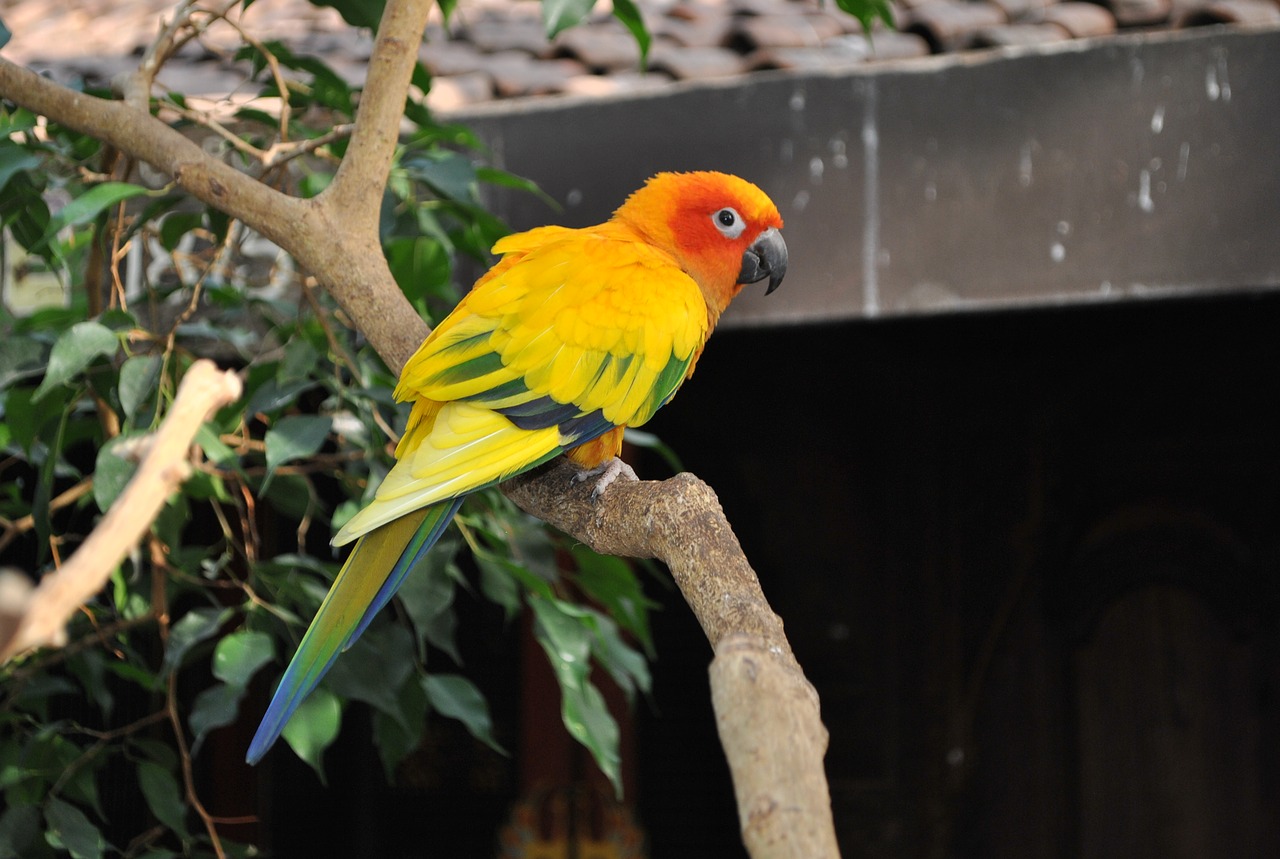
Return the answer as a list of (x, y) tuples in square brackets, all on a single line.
[(729, 222)]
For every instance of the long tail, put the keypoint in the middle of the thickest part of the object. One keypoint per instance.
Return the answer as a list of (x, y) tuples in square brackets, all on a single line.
[(368, 580)]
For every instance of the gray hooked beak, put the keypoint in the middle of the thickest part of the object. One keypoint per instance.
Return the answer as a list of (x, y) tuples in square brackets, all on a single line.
[(767, 257)]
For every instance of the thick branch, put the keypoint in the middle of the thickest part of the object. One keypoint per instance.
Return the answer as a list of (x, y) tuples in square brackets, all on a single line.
[(766, 711), (143, 136), (204, 389)]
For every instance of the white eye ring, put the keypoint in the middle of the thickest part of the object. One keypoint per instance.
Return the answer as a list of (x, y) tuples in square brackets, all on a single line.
[(729, 222)]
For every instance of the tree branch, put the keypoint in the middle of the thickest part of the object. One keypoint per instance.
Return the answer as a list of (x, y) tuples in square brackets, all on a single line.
[(204, 389), (766, 711)]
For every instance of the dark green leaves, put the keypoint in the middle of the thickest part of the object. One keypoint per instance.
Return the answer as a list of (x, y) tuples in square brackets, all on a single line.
[(88, 206), (559, 15), (236, 659), (458, 698), (75, 350), (15, 159), (160, 789), (139, 377), (197, 625), (868, 11), (292, 438), (567, 640), (358, 13), (627, 12), (20, 358), (314, 727), (70, 829)]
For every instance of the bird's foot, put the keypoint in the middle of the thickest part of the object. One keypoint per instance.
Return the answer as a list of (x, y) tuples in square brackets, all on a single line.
[(608, 472)]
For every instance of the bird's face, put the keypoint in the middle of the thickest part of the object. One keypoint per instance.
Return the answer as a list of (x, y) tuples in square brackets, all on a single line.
[(723, 230)]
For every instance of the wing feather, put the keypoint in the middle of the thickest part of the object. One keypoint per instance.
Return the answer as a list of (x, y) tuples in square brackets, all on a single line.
[(573, 334)]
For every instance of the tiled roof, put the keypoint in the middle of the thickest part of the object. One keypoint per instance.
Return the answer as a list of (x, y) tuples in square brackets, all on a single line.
[(494, 49)]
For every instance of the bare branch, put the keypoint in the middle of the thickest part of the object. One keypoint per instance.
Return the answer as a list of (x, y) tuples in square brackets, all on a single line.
[(204, 389)]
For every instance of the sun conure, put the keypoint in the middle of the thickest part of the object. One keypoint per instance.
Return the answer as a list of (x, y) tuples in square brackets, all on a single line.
[(574, 335)]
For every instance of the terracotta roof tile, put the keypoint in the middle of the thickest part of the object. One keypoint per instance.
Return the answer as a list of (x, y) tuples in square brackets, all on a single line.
[(1018, 35), (1081, 20), (497, 49), (697, 63), (783, 31), (600, 49), (1140, 13), (951, 26), (1251, 13)]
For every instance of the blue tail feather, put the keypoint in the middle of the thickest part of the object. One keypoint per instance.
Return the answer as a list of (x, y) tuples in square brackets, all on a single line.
[(343, 616)]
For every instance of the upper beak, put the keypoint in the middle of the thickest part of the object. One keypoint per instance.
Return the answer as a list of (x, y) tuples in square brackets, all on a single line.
[(766, 257)]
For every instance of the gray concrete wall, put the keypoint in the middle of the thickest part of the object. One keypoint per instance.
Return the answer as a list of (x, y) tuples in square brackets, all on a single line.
[(1137, 166)]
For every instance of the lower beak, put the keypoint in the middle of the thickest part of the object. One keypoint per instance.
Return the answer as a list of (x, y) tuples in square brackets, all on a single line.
[(766, 257)]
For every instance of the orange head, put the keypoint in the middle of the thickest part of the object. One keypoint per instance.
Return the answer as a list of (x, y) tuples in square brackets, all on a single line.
[(721, 229)]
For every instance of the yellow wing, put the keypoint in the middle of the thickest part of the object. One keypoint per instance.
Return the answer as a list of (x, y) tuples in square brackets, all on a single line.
[(572, 334)]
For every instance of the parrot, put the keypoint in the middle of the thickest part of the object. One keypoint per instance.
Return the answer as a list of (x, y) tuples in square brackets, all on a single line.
[(572, 336)]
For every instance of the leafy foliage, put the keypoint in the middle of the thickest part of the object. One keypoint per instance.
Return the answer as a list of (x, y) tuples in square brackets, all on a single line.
[(210, 607)]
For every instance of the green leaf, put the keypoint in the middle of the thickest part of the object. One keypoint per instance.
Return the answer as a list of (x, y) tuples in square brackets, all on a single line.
[(28, 419), (498, 585), (72, 830), (139, 377), (565, 638), (358, 13), (25, 213), (625, 664), (197, 625), (273, 395), (294, 437), (450, 174), (314, 727), (90, 670), (88, 206), (217, 452), (20, 357), (75, 349), (4, 34), (626, 12), (175, 225), (867, 11), (587, 719), (239, 655), (458, 698), (163, 796), (559, 15), (611, 582), (427, 596), (215, 707), (394, 739), (15, 159), (300, 360), (375, 667), (565, 633), (112, 471), (19, 827)]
